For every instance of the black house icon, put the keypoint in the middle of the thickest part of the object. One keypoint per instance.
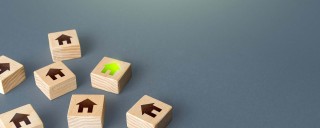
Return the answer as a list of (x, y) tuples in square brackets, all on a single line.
[(4, 67), (53, 72), (148, 108), (64, 38), (17, 118), (86, 104)]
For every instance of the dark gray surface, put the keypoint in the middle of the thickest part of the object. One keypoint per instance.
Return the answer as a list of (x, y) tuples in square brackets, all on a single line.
[(219, 63)]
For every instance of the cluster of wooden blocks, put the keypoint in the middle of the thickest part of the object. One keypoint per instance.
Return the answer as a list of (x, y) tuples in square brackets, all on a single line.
[(85, 111)]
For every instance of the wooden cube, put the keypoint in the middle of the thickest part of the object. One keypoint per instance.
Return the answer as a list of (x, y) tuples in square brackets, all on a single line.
[(55, 80), (22, 117), (149, 113), (86, 111), (11, 74), (111, 75), (64, 45)]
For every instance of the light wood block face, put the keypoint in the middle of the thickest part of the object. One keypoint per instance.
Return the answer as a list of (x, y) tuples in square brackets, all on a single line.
[(55, 80), (11, 74), (64, 45), (86, 111), (111, 75), (22, 117), (149, 113)]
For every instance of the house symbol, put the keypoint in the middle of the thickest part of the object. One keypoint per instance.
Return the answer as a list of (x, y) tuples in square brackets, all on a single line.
[(86, 104), (113, 67), (53, 72), (17, 118), (4, 67), (148, 108), (64, 38)]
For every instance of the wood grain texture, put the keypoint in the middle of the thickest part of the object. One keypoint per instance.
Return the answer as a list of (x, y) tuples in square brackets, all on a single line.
[(55, 88), (86, 119), (111, 83), (35, 121), (65, 51), (13, 77), (136, 118)]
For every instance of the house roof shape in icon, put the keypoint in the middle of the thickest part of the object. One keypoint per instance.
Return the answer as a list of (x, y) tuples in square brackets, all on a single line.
[(64, 37), (18, 117), (148, 108), (4, 67), (53, 72), (113, 67), (86, 104)]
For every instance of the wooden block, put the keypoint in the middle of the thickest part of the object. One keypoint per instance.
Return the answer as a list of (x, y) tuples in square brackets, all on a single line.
[(11, 74), (111, 75), (22, 117), (149, 113), (86, 111), (55, 80), (64, 45)]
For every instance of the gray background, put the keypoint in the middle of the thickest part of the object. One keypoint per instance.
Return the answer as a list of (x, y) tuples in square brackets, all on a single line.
[(219, 63)]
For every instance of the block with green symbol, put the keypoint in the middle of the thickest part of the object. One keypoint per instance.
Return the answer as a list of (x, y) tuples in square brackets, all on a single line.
[(111, 75)]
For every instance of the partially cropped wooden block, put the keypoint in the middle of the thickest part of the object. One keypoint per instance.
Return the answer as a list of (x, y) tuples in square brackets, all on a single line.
[(22, 117), (55, 80), (86, 111), (11, 74), (149, 113), (64, 45), (111, 75)]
